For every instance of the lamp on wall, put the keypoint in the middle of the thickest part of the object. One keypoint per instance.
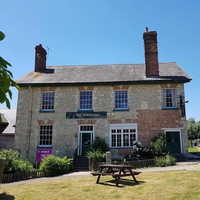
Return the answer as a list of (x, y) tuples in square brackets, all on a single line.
[(110, 114)]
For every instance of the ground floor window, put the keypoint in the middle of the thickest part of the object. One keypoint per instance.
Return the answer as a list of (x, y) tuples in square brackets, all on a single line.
[(123, 135), (45, 136)]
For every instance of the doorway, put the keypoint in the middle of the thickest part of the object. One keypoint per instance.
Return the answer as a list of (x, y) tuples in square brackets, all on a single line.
[(173, 142), (85, 139)]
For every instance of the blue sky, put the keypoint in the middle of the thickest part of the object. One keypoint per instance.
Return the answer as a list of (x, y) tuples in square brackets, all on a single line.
[(102, 32)]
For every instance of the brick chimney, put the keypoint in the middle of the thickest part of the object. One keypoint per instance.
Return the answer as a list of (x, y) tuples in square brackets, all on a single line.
[(151, 53), (40, 58)]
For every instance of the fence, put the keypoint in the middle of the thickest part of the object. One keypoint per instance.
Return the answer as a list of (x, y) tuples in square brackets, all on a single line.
[(141, 163), (8, 178), (134, 164)]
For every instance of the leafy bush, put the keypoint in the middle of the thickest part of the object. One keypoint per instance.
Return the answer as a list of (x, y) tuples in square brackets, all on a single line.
[(158, 146), (97, 152), (139, 152), (96, 156), (13, 163), (53, 165), (101, 145), (165, 161)]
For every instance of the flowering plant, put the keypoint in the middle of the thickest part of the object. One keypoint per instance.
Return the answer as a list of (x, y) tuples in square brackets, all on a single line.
[(139, 150)]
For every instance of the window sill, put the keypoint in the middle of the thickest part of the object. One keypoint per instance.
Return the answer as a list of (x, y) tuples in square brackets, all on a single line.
[(130, 147), (120, 110), (88, 110), (46, 111), (45, 146), (169, 108)]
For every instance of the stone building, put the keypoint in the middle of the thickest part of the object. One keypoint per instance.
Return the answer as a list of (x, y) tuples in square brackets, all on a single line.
[(63, 109), (7, 128)]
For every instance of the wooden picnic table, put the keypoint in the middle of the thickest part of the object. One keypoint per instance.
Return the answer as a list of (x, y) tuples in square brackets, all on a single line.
[(116, 171)]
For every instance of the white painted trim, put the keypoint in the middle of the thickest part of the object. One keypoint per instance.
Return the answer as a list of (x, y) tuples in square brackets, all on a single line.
[(79, 149), (172, 129), (122, 126), (133, 125)]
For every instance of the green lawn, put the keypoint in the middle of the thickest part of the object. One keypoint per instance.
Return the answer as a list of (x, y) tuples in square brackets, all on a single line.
[(194, 150), (166, 185)]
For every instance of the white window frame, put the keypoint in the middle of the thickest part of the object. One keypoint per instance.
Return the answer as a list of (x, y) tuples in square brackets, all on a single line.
[(85, 101), (169, 97), (120, 131), (121, 99), (47, 101), (45, 136)]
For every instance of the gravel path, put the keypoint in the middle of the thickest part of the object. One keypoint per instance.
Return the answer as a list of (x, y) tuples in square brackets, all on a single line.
[(192, 165)]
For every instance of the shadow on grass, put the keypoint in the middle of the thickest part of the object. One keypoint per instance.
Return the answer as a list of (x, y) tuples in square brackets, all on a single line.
[(122, 183), (4, 196), (197, 153)]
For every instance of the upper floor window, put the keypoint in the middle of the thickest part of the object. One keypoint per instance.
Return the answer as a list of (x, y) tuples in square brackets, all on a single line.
[(45, 136), (86, 100), (169, 98), (121, 99), (48, 101)]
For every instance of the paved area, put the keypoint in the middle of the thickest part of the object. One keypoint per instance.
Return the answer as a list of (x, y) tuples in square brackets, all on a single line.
[(191, 165)]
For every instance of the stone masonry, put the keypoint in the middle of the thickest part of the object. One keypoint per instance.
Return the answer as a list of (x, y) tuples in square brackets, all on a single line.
[(145, 109)]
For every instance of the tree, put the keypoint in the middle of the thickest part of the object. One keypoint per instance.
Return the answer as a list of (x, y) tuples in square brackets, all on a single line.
[(6, 80), (198, 129), (192, 129)]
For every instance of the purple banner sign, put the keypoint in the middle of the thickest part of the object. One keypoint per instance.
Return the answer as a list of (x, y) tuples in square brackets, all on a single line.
[(42, 153)]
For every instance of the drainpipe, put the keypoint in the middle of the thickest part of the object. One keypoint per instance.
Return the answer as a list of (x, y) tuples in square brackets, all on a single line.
[(29, 123)]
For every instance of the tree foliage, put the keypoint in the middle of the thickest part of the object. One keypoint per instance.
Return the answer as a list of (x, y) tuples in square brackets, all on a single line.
[(193, 129), (6, 80)]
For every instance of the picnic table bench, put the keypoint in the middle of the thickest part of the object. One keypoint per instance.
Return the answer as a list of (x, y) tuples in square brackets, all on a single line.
[(116, 171)]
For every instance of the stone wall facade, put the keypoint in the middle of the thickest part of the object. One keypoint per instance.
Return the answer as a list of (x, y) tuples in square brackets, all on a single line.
[(144, 109)]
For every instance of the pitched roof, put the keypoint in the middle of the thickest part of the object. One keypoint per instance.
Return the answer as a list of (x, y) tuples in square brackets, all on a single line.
[(103, 74), (9, 116)]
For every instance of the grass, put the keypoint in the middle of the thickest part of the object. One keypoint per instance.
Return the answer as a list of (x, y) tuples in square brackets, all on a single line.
[(166, 185), (194, 150)]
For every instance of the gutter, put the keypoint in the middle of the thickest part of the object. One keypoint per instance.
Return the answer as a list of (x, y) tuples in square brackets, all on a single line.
[(103, 83)]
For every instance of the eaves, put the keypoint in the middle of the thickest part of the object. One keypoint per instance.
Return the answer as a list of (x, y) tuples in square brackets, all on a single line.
[(59, 84)]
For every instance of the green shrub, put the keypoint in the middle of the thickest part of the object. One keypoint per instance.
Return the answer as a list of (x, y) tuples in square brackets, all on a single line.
[(24, 166), (13, 163), (101, 145), (139, 151), (54, 166), (96, 156), (158, 146), (165, 161)]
